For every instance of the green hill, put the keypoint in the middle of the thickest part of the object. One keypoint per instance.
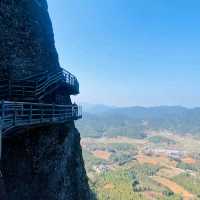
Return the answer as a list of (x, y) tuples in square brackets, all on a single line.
[(136, 121)]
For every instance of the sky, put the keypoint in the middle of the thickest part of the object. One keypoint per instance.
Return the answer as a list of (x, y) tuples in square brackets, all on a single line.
[(130, 52)]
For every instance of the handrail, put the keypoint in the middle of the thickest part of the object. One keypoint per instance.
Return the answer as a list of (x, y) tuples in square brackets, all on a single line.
[(14, 114), (47, 82), (52, 79), (34, 88), (34, 76), (37, 89)]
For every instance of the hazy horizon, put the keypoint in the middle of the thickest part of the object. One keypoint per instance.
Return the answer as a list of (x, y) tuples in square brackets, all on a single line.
[(130, 106), (128, 53)]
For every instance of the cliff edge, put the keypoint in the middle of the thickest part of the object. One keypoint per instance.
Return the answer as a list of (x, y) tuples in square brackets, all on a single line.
[(42, 162)]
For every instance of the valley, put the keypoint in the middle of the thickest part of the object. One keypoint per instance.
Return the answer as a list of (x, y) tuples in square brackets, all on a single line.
[(163, 166)]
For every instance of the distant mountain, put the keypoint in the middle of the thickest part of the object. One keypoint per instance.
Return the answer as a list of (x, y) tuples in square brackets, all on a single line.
[(101, 120), (95, 108)]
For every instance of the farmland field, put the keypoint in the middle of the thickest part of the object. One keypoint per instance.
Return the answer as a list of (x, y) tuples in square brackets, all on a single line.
[(155, 168)]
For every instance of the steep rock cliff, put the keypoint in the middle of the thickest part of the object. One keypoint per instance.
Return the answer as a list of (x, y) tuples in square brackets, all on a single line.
[(46, 162), (27, 42)]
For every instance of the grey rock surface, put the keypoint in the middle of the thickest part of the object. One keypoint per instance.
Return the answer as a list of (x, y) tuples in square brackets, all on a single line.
[(43, 163), (26, 38)]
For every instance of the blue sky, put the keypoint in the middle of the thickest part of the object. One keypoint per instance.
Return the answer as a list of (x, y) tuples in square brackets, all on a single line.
[(131, 52)]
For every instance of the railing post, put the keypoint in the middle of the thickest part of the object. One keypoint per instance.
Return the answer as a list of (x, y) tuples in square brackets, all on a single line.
[(65, 76), (22, 109), (23, 91), (1, 137), (53, 112), (30, 115), (3, 109), (14, 116), (79, 112), (9, 88), (42, 113), (1, 126), (68, 78), (72, 113)]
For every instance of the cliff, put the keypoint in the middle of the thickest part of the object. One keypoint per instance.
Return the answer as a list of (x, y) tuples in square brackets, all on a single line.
[(44, 162), (27, 42)]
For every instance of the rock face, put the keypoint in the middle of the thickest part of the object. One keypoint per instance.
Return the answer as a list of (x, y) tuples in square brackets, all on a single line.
[(45, 163), (27, 42), (41, 163)]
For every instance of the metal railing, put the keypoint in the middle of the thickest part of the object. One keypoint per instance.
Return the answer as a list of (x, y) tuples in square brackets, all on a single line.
[(47, 84), (23, 114), (38, 86), (32, 89)]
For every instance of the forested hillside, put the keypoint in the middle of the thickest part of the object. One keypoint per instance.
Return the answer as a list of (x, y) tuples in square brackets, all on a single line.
[(137, 121)]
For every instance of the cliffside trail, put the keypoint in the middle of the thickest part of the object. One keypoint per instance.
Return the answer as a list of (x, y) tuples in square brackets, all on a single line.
[(43, 163)]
